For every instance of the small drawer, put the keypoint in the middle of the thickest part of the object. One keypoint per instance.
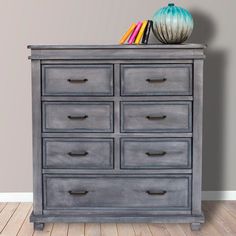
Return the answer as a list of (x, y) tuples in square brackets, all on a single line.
[(155, 153), (76, 192), (156, 117), (156, 79), (78, 153), (78, 117), (79, 80)]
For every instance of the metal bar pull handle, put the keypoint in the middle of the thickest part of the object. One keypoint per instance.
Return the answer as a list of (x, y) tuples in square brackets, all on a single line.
[(78, 192), (156, 117), (82, 117), (156, 80), (156, 154), (77, 81), (78, 154), (161, 192)]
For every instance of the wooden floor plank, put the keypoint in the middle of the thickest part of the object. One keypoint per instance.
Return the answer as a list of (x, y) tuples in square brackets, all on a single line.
[(142, 230), (230, 206), (92, 229), (175, 230), (222, 220), (187, 230), (2, 205), (158, 230), (27, 228), (17, 220), (59, 229), (109, 230), (76, 230), (6, 214), (125, 230), (46, 231)]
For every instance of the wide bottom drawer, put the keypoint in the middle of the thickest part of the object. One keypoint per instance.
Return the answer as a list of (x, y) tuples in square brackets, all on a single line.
[(76, 192)]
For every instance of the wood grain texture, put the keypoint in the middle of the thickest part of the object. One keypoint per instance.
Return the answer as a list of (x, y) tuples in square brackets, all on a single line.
[(13, 226), (59, 229), (2, 205), (142, 230), (109, 230), (92, 229), (76, 229), (125, 230), (220, 220), (158, 230), (6, 214), (27, 228)]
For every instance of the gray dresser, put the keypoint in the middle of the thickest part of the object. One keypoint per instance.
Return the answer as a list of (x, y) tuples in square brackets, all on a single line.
[(117, 133)]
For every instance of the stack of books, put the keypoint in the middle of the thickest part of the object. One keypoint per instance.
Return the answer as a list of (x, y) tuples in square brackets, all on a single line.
[(137, 33)]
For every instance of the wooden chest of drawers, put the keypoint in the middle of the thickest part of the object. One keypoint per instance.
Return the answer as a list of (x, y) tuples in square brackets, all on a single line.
[(117, 133)]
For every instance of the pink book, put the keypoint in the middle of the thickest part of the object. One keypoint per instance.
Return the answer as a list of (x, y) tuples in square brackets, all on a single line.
[(134, 34)]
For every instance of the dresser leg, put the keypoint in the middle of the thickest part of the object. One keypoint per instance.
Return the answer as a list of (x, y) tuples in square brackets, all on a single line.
[(195, 226), (38, 226)]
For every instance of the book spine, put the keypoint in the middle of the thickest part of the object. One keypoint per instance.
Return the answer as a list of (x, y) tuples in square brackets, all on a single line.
[(147, 32), (140, 34), (135, 32), (127, 34)]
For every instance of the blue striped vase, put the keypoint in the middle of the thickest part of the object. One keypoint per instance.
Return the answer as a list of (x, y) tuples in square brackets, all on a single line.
[(172, 24)]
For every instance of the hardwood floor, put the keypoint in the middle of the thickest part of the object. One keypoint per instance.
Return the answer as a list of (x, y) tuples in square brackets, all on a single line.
[(220, 221)]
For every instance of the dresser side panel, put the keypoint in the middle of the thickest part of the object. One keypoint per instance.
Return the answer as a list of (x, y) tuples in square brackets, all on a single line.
[(197, 137), (37, 150)]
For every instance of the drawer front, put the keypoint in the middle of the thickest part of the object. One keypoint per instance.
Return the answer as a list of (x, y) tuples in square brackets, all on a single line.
[(79, 80), (78, 153), (156, 79), (113, 191), (78, 117), (156, 117), (155, 153)]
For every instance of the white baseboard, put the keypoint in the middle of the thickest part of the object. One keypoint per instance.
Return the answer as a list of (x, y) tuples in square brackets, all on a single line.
[(218, 195), (206, 195), (16, 197)]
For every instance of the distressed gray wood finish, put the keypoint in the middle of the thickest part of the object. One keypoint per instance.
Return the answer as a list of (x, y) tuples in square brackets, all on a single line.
[(78, 80), (113, 192), (152, 153), (78, 153), (78, 117), (110, 107), (156, 117), (156, 79)]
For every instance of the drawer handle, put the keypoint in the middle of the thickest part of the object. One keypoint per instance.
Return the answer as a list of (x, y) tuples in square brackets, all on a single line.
[(156, 80), (81, 154), (156, 117), (77, 81), (161, 192), (77, 193), (156, 154), (78, 117)]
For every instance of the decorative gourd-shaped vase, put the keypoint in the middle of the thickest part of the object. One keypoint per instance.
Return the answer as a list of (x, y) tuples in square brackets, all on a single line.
[(172, 24)]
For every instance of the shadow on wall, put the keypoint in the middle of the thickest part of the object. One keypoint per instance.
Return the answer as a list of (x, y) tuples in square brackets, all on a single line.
[(213, 120)]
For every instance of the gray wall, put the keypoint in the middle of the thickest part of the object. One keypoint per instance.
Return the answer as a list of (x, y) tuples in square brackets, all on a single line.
[(103, 22)]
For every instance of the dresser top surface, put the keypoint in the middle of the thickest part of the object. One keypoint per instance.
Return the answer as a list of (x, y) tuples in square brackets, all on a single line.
[(149, 46)]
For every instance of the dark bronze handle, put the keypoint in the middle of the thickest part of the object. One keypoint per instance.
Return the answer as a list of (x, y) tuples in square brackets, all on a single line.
[(161, 192), (156, 117), (156, 80), (81, 154), (77, 81), (78, 192), (77, 117), (156, 154)]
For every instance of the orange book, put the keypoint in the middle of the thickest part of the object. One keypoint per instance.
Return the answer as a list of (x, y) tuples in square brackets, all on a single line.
[(127, 34), (141, 31)]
